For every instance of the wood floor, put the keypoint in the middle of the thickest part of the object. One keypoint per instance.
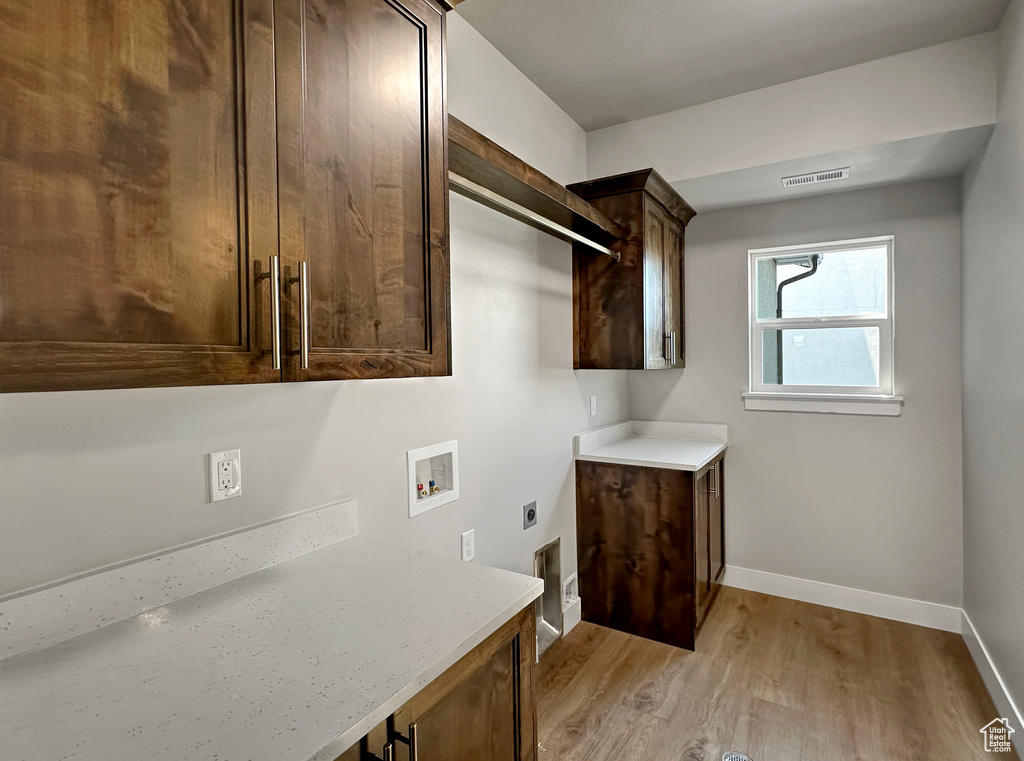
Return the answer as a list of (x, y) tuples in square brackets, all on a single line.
[(776, 679)]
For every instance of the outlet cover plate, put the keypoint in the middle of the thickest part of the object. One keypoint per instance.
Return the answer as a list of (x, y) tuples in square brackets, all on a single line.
[(529, 515), (570, 592), (225, 474), (469, 545)]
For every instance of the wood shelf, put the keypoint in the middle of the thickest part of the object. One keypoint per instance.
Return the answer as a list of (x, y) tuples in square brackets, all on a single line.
[(485, 164)]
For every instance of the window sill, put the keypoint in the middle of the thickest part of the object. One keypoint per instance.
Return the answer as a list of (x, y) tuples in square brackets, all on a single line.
[(835, 404)]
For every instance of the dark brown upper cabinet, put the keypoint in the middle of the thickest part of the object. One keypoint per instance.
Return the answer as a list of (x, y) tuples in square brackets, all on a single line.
[(137, 193), (363, 188), (629, 314), (165, 164)]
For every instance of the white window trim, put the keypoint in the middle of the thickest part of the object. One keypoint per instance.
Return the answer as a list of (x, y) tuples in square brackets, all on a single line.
[(850, 400)]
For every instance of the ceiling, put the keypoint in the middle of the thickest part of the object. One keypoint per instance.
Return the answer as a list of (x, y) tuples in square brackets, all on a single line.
[(928, 157), (606, 62)]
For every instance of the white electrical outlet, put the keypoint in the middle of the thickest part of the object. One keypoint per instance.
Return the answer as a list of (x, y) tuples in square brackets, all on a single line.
[(468, 545), (225, 470), (593, 406)]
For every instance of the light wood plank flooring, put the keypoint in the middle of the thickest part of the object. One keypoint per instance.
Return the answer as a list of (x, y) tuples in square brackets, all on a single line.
[(776, 679)]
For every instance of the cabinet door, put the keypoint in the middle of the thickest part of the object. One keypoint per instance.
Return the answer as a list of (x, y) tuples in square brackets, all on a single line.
[(363, 185), (716, 524), (482, 708), (137, 193), (655, 240), (476, 721), (701, 535), (635, 549), (673, 293)]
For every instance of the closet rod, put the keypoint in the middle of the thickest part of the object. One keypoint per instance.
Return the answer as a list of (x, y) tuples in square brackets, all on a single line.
[(479, 190)]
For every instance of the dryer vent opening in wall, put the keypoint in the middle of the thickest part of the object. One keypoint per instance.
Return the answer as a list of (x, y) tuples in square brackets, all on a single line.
[(814, 177), (547, 565)]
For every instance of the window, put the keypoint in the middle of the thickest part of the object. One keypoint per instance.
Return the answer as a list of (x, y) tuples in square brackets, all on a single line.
[(821, 328)]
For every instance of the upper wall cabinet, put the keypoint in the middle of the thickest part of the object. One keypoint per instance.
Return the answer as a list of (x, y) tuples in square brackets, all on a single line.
[(198, 192), (363, 183), (629, 314)]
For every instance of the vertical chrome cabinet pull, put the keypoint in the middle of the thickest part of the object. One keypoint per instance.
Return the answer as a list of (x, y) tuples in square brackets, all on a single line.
[(304, 326), (672, 343), (273, 274), (389, 752), (668, 347), (304, 312), (713, 479), (411, 740)]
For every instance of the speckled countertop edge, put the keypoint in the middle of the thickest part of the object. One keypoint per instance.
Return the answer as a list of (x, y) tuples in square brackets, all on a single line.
[(350, 737), (52, 613), (159, 682), (661, 441)]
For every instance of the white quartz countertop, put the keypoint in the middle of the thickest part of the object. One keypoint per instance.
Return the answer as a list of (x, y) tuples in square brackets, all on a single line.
[(293, 662), (675, 446)]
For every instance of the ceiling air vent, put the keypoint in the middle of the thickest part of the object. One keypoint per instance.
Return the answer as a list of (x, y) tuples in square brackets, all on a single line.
[(813, 177)]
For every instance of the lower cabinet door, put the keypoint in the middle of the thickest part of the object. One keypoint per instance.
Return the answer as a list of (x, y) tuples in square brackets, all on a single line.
[(476, 721), (716, 525), (701, 534), (482, 708)]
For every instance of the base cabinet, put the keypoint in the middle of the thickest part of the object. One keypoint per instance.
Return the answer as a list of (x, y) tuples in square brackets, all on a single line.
[(481, 709), (651, 548)]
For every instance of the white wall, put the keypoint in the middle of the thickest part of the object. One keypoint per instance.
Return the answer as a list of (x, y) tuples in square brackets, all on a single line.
[(871, 503), (493, 97), (91, 478), (924, 92), (993, 371)]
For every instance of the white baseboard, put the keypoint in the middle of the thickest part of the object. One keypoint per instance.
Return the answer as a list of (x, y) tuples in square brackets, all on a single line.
[(930, 614), (993, 681)]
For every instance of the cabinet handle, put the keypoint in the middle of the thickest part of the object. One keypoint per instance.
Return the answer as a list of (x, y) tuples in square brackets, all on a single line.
[(713, 479), (387, 753), (672, 342), (304, 321), (303, 281), (411, 741), (273, 274)]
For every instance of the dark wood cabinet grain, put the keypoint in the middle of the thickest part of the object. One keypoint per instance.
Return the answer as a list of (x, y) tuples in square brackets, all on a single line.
[(363, 184), (648, 540), (716, 528), (482, 708), (629, 314), (154, 154), (477, 719), (137, 178), (702, 547), (474, 157)]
